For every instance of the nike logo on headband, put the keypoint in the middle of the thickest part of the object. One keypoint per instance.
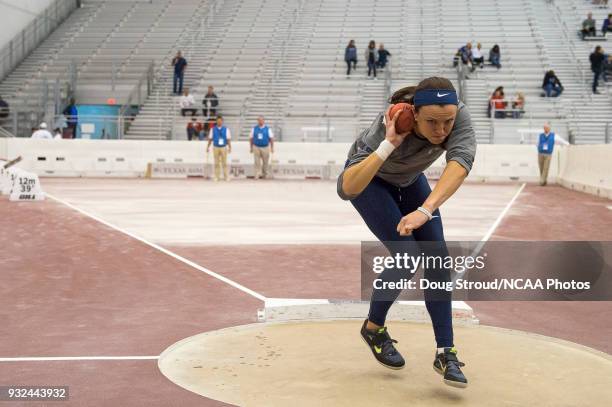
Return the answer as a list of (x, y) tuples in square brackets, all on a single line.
[(442, 95)]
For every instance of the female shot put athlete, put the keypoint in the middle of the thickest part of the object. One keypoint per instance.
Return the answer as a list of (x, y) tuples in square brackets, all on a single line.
[(383, 178)]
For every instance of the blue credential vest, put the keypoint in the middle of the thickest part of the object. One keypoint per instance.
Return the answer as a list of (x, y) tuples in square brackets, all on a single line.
[(219, 136), (261, 136)]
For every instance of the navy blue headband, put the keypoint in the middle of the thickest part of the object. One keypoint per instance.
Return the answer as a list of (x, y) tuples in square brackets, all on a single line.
[(435, 97)]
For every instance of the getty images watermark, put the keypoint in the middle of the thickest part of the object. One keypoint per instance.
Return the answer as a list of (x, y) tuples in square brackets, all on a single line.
[(536, 271)]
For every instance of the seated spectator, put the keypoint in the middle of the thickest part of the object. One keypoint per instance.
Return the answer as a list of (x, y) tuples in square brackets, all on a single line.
[(211, 103), (588, 27), (607, 25), (465, 53), (497, 103), (57, 133), (187, 103), (607, 70), (477, 57), (495, 56), (518, 105), (551, 85), (383, 56), (194, 129), (350, 56), (42, 132)]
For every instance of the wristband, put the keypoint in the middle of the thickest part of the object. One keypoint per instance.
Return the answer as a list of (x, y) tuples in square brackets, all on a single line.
[(426, 212), (385, 149)]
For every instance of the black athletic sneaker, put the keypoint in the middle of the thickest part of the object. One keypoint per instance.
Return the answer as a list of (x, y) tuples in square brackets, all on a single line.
[(382, 348), (449, 366)]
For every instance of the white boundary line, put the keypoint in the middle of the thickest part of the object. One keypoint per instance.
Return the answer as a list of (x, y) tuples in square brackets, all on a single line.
[(501, 216), (76, 358), (165, 251)]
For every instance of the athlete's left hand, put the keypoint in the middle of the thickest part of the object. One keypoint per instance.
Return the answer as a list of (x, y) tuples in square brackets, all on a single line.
[(408, 223)]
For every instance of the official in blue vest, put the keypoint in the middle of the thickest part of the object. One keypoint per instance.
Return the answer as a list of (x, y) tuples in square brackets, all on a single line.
[(220, 137), (262, 144), (546, 143)]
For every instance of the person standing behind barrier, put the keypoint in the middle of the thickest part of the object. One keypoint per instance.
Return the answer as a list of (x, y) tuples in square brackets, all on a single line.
[(597, 66), (211, 103), (42, 132), (383, 56), (220, 136), (350, 56), (370, 56), (72, 118), (179, 64), (546, 143), (262, 144)]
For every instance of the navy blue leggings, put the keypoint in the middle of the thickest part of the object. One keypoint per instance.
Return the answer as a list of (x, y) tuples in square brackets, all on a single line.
[(382, 205)]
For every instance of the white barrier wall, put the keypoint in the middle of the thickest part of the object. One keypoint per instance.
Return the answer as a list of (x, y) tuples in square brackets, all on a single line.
[(587, 168), (584, 167)]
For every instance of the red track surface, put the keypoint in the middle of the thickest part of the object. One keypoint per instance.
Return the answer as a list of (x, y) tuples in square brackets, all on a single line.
[(73, 287)]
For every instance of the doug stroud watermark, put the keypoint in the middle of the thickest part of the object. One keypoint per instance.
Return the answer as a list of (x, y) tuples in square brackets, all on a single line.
[(491, 271), (17, 393)]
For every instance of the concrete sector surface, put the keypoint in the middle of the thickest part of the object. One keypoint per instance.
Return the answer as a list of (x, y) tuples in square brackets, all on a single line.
[(326, 364)]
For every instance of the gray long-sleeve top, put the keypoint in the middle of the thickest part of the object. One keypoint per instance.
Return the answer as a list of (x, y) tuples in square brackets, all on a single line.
[(416, 153)]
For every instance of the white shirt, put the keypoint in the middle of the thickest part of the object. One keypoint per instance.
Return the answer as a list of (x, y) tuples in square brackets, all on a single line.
[(270, 134), (42, 134), (476, 53), (187, 101), (57, 136)]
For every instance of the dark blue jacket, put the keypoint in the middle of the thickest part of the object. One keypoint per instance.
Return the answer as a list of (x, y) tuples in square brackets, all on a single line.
[(350, 54)]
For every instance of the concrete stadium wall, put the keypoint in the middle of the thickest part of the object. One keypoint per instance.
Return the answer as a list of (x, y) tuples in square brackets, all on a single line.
[(130, 157), (585, 168), (15, 15)]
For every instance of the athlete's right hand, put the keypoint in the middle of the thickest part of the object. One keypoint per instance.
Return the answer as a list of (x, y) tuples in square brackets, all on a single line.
[(391, 136)]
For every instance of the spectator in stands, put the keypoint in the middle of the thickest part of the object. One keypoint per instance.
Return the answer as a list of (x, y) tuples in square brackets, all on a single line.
[(495, 56), (497, 103), (350, 56), (465, 53), (551, 85), (518, 105), (194, 129), (607, 71), (546, 143), (607, 25), (597, 66), (72, 118), (383, 55), (211, 103), (588, 26), (262, 144), (187, 104), (477, 57), (4, 110), (220, 136), (57, 133), (370, 56), (42, 132), (180, 64)]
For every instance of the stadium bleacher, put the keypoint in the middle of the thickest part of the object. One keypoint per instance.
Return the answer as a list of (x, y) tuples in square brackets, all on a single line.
[(284, 59)]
